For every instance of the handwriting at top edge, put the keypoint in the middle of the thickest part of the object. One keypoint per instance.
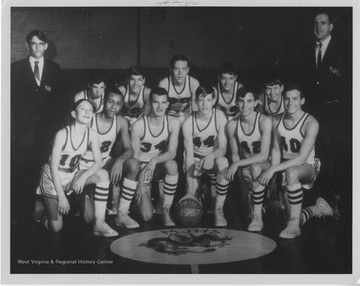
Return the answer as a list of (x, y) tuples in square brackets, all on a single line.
[(176, 3)]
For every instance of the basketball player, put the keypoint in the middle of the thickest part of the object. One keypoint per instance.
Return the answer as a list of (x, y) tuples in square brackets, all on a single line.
[(181, 88), (155, 140), (226, 90), (272, 102), (205, 148), (94, 92), (136, 99), (60, 177), (113, 129), (293, 154), (250, 137)]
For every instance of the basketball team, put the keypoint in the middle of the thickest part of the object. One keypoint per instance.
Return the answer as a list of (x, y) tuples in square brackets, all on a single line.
[(123, 142)]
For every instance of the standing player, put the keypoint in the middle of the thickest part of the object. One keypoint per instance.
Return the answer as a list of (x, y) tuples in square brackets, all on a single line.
[(136, 99), (181, 88), (94, 92), (250, 137), (60, 177), (272, 102), (226, 90), (155, 140), (205, 148), (293, 153)]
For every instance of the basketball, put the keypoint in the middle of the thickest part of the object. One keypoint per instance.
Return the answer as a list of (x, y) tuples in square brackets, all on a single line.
[(188, 212)]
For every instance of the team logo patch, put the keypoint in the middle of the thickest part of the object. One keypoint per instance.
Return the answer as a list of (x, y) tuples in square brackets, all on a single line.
[(192, 246)]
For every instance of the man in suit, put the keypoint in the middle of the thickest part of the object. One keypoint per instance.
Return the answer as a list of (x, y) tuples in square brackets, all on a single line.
[(36, 108)]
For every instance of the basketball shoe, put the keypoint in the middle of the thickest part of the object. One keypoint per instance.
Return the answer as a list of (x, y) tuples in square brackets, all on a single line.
[(166, 219), (292, 229), (101, 228), (123, 220), (220, 220), (256, 224)]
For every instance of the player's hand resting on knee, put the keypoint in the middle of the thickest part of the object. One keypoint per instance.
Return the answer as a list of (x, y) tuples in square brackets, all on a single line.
[(265, 177), (63, 206), (116, 172), (208, 162), (78, 184), (230, 172)]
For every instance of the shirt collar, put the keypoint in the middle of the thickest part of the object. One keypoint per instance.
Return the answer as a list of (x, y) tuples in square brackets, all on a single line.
[(32, 60), (325, 43)]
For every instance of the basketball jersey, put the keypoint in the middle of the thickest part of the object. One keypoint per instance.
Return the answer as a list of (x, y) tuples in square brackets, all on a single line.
[(99, 103), (106, 140), (180, 102), (267, 109), (152, 146), (133, 110), (291, 139), (250, 144), (205, 140), (230, 107)]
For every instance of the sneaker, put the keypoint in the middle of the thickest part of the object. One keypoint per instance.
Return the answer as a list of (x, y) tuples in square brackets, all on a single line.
[(166, 219), (256, 224), (123, 220), (220, 220), (325, 209), (38, 210), (101, 228), (292, 230)]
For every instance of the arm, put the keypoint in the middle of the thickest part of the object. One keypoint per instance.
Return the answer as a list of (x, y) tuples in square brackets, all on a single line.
[(188, 143), (147, 105), (194, 84), (137, 131), (63, 204), (164, 83), (116, 170), (261, 105)]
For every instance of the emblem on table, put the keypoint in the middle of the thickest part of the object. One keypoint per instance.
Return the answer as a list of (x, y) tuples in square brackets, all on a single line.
[(187, 242)]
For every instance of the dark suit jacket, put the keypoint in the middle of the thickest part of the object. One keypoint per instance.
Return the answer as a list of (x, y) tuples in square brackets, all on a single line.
[(327, 83)]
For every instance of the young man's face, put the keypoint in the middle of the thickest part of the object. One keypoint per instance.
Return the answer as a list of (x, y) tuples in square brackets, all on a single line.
[(84, 113), (136, 82), (293, 101), (98, 89), (113, 104), (274, 92), (37, 47), (180, 71), (227, 81), (205, 104), (247, 104), (322, 27), (159, 104)]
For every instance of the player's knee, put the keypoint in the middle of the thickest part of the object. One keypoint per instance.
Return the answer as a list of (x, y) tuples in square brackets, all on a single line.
[(132, 167), (221, 163), (255, 170), (55, 226), (102, 175), (292, 176), (171, 167)]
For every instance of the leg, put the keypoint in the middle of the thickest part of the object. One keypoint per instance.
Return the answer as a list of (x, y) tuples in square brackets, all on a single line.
[(222, 186), (51, 219), (170, 185)]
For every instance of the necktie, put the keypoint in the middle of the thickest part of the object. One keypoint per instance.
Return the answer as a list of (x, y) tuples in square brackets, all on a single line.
[(36, 70), (318, 64)]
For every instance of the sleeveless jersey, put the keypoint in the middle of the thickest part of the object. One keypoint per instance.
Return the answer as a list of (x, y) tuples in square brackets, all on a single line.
[(180, 102), (267, 109), (133, 110), (249, 144), (230, 107), (106, 141), (205, 140), (99, 103), (291, 139), (152, 146)]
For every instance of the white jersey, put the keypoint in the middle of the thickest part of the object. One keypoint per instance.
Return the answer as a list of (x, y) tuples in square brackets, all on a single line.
[(205, 140), (230, 108), (152, 146), (180, 102), (99, 102), (292, 139), (268, 110), (250, 144), (106, 140), (133, 110)]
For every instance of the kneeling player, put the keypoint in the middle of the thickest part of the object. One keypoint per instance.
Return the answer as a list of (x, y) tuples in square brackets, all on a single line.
[(250, 137), (61, 176), (205, 148), (155, 140)]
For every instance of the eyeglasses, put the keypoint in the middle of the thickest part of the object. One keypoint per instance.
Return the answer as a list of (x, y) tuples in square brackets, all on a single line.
[(35, 45)]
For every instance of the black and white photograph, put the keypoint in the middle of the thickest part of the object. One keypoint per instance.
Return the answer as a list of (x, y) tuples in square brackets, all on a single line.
[(179, 142)]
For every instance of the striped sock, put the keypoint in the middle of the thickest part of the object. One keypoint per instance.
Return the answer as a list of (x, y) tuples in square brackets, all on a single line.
[(306, 214), (170, 185), (295, 196), (100, 199), (221, 192), (127, 194)]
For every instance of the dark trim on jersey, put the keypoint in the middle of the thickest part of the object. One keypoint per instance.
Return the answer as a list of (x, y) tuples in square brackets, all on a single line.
[(307, 115), (163, 127), (141, 138), (212, 114), (66, 139), (168, 128), (172, 82), (86, 96), (137, 98), (267, 103), (82, 141), (297, 123), (97, 125), (257, 118), (216, 126), (221, 93)]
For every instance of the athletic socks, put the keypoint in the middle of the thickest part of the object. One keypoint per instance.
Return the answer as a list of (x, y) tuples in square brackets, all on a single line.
[(170, 185), (295, 196), (306, 214), (127, 194), (100, 199), (221, 192)]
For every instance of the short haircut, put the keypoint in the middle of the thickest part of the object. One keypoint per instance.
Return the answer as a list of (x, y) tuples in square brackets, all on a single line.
[(178, 57), (158, 91), (242, 91), (273, 80), (77, 103), (36, 33), (136, 70), (327, 12), (294, 85), (204, 90), (97, 77), (227, 68), (112, 90)]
